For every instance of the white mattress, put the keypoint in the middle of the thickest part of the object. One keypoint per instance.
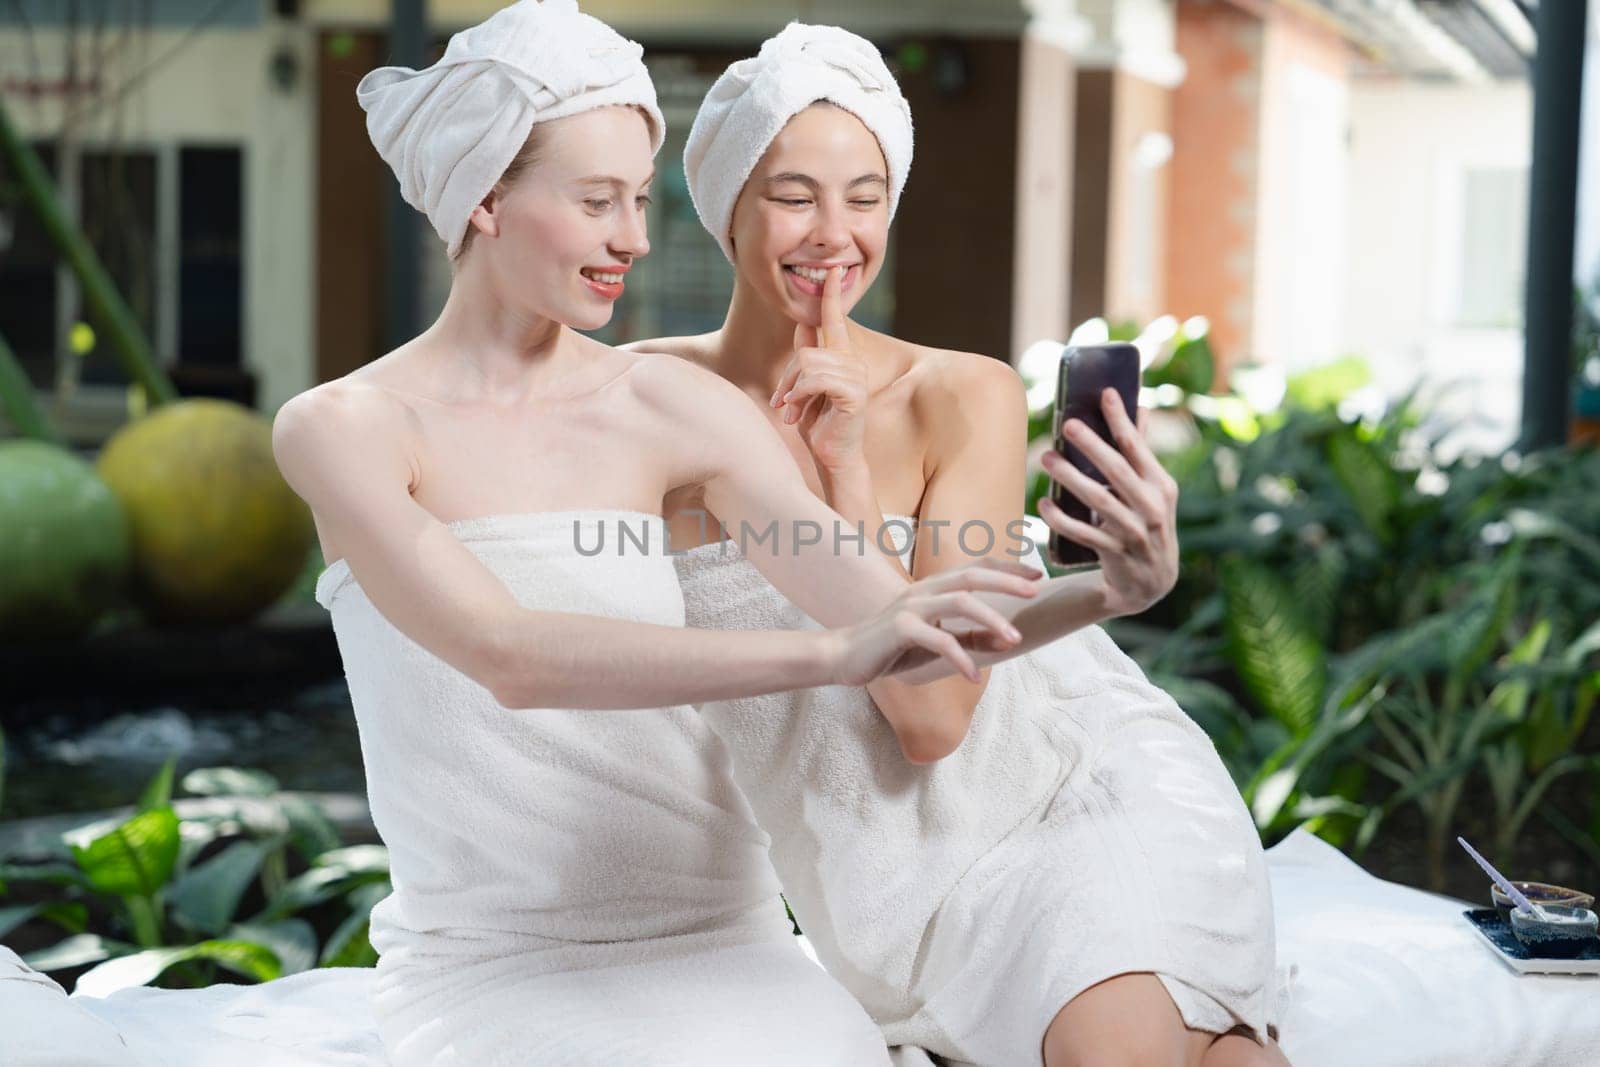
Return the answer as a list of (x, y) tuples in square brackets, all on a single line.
[(1378, 974)]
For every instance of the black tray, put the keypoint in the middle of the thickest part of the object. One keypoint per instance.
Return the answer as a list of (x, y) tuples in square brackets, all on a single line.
[(1514, 953)]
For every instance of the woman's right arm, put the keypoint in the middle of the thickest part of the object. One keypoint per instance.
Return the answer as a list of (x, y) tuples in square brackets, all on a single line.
[(343, 449)]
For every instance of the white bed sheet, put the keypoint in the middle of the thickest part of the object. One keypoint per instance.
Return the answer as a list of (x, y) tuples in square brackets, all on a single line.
[(1378, 974)]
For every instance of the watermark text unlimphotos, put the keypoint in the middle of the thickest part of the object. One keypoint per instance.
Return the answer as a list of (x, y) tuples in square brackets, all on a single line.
[(975, 538)]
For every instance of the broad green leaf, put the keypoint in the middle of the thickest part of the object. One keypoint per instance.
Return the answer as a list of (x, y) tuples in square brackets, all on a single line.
[(1277, 657), (1315, 807), (208, 894), (142, 968), (158, 794), (1282, 771), (1325, 386), (1508, 701), (1419, 646), (1123, 330), (293, 941), (48, 873), (13, 917), (1482, 620), (306, 890), (1368, 480), (1188, 463), (69, 916), (1316, 582), (194, 837), (1191, 367), (349, 945), (1529, 523), (134, 859), (1547, 735), (1347, 783), (1272, 794), (230, 816), (334, 873), (312, 832), (229, 781), (1583, 645), (75, 951), (357, 859)]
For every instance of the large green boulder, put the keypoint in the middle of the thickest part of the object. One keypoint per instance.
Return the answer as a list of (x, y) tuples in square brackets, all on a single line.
[(217, 533), (63, 543)]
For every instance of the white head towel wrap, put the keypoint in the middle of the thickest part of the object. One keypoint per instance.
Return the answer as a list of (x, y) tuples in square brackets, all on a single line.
[(755, 98), (450, 130)]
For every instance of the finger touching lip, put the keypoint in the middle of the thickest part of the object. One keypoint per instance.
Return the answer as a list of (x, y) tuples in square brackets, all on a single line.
[(810, 280)]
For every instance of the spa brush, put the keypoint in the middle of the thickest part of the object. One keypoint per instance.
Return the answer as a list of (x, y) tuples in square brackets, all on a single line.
[(1522, 902)]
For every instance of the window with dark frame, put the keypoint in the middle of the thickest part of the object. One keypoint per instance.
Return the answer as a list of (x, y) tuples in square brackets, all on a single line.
[(210, 252), (28, 280), (119, 207)]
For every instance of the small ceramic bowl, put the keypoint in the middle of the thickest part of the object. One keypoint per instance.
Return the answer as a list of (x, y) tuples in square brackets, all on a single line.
[(1562, 934), (1540, 893)]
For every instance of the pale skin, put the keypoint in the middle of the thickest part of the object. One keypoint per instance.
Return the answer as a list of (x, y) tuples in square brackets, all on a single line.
[(501, 408), (879, 425)]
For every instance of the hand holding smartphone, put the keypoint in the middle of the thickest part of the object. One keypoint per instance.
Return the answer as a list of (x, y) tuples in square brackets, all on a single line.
[(1086, 371)]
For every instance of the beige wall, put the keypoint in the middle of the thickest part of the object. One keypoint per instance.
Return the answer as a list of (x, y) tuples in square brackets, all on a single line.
[(1302, 201), (1040, 302), (1119, 205), (703, 21), (214, 87), (1136, 249), (1411, 147), (1127, 70)]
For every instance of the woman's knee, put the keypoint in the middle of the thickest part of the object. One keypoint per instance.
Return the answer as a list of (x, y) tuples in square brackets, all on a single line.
[(1126, 1021), (1241, 1050)]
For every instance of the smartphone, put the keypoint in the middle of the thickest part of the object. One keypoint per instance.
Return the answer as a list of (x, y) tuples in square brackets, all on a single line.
[(1086, 371)]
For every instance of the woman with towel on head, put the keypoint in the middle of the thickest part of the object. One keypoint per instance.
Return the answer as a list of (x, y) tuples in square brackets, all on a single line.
[(1054, 864), (572, 886)]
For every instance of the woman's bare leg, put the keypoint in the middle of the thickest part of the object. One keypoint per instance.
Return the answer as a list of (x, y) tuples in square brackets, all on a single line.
[(1131, 1021), (1236, 1050)]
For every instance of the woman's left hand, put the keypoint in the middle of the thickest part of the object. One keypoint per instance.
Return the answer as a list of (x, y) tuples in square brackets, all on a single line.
[(823, 389), (1136, 536)]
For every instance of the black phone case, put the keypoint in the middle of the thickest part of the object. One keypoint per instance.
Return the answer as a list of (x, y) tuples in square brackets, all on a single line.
[(1085, 372)]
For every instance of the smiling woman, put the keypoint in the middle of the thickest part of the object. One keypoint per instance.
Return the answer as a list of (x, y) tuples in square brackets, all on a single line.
[(785, 205), (600, 866), (1049, 864), (569, 235)]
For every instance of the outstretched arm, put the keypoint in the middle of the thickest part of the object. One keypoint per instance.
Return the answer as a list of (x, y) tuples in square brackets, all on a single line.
[(1136, 536), (344, 449), (751, 484)]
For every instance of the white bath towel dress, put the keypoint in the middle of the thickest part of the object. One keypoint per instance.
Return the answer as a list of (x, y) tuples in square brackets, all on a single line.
[(1085, 828), (571, 887)]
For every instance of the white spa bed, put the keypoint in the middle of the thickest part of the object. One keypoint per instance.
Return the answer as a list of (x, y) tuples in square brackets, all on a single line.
[(1378, 974)]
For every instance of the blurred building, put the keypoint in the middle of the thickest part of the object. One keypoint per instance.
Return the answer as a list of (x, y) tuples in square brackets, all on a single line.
[(1317, 177)]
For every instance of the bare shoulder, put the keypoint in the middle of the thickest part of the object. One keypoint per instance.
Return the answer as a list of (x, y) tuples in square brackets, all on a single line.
[(699, 349), (944, 377), (682, 387), (327, 421)]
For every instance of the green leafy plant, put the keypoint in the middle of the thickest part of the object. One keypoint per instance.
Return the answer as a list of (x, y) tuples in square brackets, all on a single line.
[(155, 896), (1363, 624)]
